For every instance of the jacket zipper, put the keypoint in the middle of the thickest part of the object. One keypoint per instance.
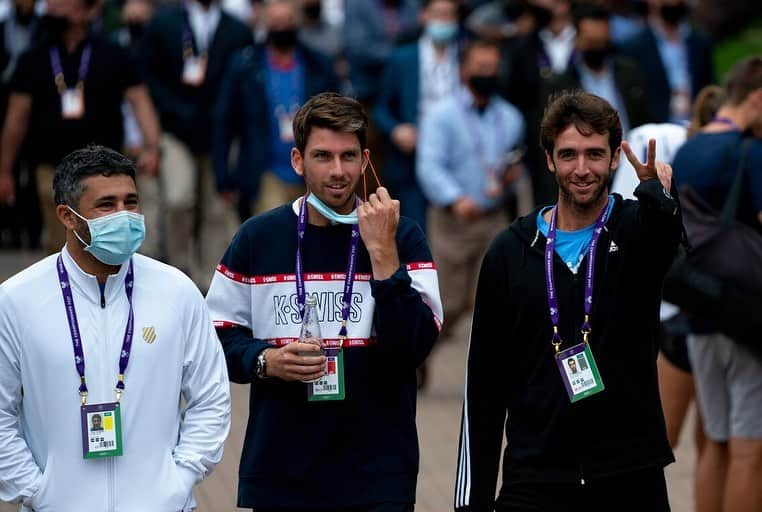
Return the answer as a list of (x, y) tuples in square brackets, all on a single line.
[(104, 336)]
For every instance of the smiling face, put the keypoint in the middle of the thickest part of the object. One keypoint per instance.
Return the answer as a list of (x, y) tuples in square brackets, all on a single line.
[(582, 165), (332, 165)]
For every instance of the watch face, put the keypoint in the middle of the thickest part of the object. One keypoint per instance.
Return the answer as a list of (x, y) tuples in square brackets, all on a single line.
[(260, 365)]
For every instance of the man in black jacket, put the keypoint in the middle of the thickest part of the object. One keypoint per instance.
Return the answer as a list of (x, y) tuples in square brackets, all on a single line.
[(677, 57), (596, 68), (185, 51), (574, 441)]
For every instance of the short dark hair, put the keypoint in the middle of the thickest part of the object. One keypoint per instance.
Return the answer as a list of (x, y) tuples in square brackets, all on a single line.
[(477, 44), (92, 160), (426, 3), (589, 11), (587, 112), (744, 78), (334, 112)]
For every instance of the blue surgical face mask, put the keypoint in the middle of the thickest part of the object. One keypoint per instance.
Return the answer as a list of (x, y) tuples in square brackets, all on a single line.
[(327, 212), (114, 238), (441, 31)]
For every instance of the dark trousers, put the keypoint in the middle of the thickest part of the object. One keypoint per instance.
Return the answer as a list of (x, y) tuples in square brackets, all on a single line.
[(637, 491), (381, 507)]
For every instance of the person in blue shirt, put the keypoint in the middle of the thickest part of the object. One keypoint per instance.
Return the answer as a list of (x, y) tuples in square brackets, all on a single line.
[(262, 90), (430, 70), (561, 441), (463, 169)]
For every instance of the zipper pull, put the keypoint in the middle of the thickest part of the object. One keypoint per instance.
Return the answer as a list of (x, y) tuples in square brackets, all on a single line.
[(103, 301)]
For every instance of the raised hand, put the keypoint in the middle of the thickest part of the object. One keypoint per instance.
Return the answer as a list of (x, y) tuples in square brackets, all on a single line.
[(378, 218), (651, 169)]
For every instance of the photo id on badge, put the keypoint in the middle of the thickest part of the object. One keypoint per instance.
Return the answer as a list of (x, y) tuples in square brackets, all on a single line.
[(331, 385), (194, 70), (579, 372), (73, 103), (101, 430)]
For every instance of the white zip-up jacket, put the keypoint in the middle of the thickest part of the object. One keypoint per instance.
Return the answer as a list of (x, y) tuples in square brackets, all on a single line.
[(175, 354)]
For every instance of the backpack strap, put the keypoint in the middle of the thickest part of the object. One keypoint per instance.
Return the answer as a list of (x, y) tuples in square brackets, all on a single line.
[(730, 208)]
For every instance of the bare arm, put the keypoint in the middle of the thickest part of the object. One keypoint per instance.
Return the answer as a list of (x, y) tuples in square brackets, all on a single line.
[(148, 121), (14, 131)]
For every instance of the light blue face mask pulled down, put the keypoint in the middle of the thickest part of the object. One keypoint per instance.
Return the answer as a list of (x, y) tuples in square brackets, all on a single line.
[(327, 212), (441, 31), (114, 238)]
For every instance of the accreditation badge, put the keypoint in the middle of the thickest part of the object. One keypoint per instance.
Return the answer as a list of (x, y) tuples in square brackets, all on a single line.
[(331, 385), (101, 430), (73, 103), (579, 372), (285, 123), (194, 70)]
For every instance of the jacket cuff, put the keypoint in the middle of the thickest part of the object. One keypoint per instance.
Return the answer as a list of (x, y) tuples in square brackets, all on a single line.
[(31, 493), (653, 195), (392, 287), (188, 477)]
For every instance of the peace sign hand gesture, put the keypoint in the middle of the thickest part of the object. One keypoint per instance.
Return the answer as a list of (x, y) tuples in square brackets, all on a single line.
[(651, 169)]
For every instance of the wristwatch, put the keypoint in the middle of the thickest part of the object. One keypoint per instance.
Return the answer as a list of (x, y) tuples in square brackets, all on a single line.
[(260, 370)]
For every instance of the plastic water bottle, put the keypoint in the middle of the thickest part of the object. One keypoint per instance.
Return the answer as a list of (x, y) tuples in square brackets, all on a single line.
[(311, 326)]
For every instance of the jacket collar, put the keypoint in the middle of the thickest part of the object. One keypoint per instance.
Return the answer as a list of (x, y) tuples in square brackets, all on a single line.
[(527, 231), (87, 284)]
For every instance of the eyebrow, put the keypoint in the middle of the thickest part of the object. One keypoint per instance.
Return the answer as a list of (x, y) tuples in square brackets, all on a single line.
[(317, 151), (131, 195)]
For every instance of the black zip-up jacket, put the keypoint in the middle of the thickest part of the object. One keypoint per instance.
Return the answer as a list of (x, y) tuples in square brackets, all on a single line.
[(513, 381)]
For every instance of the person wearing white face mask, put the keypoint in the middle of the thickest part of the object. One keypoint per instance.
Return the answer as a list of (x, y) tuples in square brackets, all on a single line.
[(124, 338), (430, 66)]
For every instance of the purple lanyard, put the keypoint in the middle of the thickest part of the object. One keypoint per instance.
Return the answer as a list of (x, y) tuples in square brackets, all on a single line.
[(58, 73), (76, 338), (349, 279), (727, 121), (550, 245), (188, 50)]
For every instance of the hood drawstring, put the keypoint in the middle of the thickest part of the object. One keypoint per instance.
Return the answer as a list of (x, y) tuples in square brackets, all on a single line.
[(536, 237)]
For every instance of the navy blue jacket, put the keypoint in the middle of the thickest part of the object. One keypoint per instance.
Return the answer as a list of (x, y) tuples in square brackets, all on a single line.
[(362, 450), (643, 47), (397, 103), (242, 111), (184, 110)]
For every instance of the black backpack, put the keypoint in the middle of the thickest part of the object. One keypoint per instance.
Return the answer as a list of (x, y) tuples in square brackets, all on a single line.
[(718, 278)]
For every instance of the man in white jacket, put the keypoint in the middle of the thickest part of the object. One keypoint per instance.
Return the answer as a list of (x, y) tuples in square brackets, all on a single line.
[(97, 329)]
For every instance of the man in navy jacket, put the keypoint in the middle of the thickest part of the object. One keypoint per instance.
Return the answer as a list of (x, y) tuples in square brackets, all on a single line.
[(263, 88), (418, 75), (676, 59)]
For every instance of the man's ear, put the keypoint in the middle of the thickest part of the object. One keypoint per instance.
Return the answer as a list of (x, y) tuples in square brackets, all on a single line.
[(549, 160), (297, 162), (66, 217), (615, 158)]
